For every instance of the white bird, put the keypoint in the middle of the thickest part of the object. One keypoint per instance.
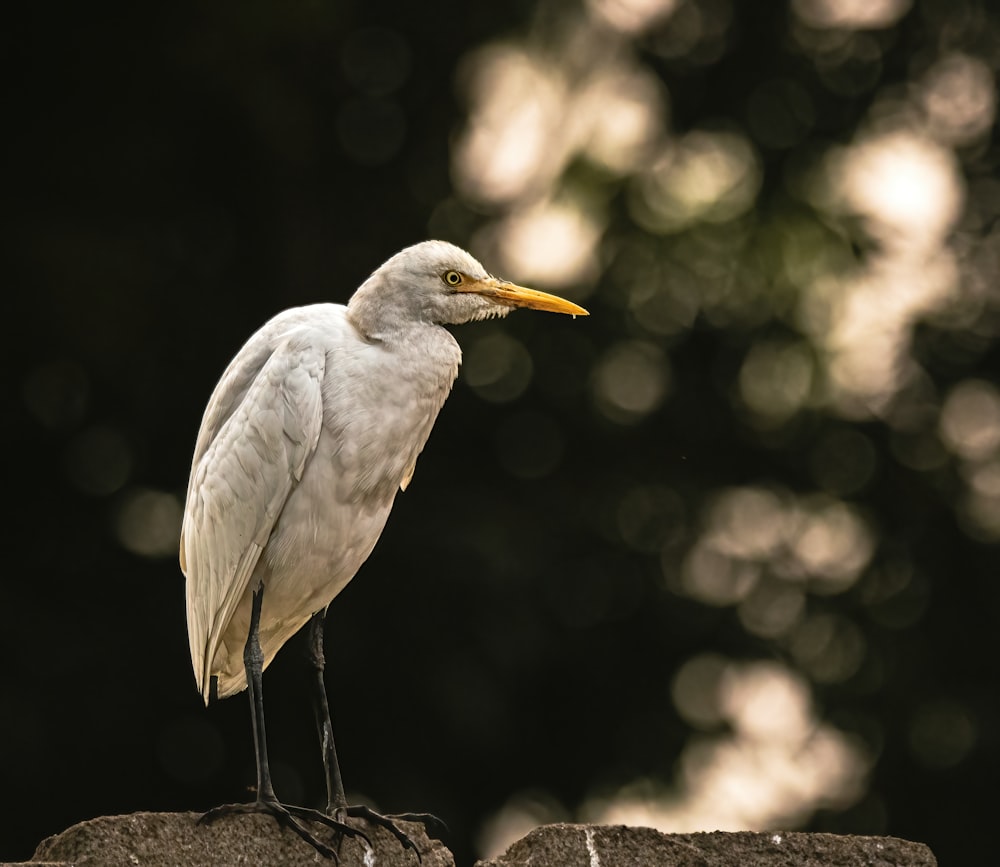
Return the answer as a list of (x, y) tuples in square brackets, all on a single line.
[(313, 428)]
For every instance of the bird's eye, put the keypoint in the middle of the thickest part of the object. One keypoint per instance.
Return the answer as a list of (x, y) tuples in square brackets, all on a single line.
[(452, 278)]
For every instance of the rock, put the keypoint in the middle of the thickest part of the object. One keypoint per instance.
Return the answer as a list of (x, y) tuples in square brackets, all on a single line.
[(177, 840), (618, 845)]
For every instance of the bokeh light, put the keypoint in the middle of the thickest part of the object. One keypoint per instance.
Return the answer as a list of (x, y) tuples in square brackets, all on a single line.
[(958, 96), (704, 177), (970, 420), (942, 732), (149, 523), (509, 148), (497, 366), (773, 765), (850, 14), (552, 245), (630, 381), (632, 16), (776, 380)]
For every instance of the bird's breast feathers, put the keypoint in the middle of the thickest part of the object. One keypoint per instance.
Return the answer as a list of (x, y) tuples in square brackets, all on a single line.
[(379, 405)]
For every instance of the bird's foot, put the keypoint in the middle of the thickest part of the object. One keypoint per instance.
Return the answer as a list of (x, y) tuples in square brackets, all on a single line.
[(432, 824), (288, 816)]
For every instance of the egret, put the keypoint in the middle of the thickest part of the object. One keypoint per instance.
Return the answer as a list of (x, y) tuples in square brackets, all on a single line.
[(314, 426)]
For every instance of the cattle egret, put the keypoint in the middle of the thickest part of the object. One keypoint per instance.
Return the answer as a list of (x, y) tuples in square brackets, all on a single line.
[(314, 426)]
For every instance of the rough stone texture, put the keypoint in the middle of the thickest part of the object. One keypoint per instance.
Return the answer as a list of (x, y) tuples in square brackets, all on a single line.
[(618, 846), (177, 840)]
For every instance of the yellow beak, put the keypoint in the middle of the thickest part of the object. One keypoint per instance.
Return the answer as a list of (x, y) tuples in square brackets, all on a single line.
[(503, 292)]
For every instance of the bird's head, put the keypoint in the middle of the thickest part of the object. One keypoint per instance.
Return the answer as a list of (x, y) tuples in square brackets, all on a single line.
[(435, 282)]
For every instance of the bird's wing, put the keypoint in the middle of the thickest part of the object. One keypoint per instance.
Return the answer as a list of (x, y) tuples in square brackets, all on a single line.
[(243, 473)]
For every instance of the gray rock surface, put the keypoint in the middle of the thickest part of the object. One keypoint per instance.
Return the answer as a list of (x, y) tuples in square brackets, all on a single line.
[(175, 839), (618, 846)]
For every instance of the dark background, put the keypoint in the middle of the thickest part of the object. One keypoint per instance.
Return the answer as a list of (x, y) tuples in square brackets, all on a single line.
[(175, 174)]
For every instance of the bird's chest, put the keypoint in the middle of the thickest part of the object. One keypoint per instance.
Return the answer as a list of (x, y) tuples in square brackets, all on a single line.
[(373, 434), (374, 427)]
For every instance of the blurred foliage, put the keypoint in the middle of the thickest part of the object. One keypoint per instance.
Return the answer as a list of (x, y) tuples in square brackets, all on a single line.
[(722, 555)]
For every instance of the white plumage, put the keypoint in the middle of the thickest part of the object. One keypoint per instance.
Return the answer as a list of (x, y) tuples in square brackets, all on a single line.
[(314, 426)]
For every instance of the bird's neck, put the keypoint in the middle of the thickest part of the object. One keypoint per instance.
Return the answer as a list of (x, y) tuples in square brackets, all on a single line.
[(374, 309), (424, 350), (424, 353)]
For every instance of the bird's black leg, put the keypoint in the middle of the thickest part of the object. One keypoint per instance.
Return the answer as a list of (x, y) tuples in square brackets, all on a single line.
[(335, 797), (267, 801), (336, 800), (253, 662)]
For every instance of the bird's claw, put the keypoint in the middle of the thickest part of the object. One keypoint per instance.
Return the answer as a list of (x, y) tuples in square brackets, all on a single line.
[(288, 816), (434, 826), (431, 823)]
